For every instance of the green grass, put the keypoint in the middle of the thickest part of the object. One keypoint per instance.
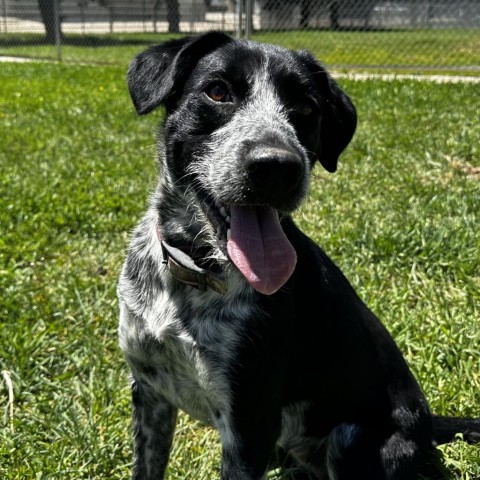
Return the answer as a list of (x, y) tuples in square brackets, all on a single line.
[(111, 49), (400, 218), (383, 49), (411, 50)]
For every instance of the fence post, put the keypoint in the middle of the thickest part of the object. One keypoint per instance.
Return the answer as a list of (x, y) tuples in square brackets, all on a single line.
[(240, 19), (248, 19), (58, 35), (4, 15)]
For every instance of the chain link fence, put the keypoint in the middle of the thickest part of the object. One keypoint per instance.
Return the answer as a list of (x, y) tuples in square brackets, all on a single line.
[(428, 34)]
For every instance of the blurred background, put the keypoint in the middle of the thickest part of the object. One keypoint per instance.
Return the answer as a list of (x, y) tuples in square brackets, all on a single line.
[(407, 34)]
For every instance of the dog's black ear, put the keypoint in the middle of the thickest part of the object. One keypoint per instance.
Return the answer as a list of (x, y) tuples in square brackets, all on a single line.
[(157, 74), (339, 117)]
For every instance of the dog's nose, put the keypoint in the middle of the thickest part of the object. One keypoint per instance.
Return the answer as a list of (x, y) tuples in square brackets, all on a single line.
[(274, 171)]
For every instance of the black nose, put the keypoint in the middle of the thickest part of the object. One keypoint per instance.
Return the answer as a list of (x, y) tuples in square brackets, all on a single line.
[(273, 172)]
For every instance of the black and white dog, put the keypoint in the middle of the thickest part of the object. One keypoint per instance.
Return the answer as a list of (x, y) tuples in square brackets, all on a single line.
[(227, 310)]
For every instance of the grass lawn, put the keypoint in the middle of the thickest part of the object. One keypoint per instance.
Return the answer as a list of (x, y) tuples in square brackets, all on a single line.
[(411, 50), (401, 218)]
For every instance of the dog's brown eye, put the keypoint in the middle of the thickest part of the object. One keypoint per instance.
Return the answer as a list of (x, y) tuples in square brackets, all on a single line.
[(219, 93), (305, 109)]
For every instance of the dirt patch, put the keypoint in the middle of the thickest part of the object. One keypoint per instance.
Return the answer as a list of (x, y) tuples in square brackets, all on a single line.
[(469, 170)]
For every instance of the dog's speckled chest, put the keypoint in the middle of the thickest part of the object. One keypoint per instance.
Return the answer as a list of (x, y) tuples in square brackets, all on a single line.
[(186, 366)]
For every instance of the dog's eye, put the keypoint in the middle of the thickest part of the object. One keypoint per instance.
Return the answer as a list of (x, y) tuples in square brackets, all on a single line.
[(304, 109), (218, 93)]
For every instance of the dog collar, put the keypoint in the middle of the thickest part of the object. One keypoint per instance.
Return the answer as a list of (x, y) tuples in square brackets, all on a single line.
[(184, 269)]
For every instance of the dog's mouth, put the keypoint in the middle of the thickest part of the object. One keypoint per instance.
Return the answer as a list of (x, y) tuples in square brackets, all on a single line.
[(255, 242)]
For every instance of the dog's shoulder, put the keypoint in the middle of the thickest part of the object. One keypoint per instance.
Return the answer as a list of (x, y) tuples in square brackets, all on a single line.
[(141, 277), (314, 267)]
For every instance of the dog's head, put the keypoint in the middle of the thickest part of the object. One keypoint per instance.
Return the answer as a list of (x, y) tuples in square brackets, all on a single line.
[(244, 125)]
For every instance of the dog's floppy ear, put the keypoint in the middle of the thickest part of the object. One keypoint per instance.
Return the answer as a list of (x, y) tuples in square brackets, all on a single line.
[(339, 117), (157, 74)]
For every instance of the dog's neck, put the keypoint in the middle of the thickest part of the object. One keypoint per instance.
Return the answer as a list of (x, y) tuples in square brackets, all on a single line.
[(183, 268)]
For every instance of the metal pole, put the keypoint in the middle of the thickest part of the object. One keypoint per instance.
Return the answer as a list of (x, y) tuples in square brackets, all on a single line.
[(240, 19), (248, 19), (144, 14), (193, 16), (4, 11), (58, 36)]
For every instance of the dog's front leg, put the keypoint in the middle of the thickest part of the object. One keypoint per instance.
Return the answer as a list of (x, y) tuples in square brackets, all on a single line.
[(154, 421), (250, 424), (247, 451), (250, 428)]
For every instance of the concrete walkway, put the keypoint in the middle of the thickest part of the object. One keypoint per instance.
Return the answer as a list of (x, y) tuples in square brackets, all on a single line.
[(403, 76)]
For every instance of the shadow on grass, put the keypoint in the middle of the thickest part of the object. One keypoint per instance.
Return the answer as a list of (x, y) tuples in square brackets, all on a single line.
[(95, 41), (339, 29)]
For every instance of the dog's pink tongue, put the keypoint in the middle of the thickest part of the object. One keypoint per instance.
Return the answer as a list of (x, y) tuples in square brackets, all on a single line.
[(259, 248)]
